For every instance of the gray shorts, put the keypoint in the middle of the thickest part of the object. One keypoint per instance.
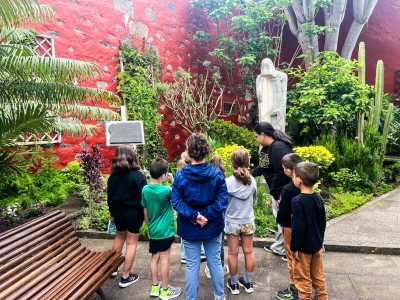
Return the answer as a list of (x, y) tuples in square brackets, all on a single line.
[(239, 229)]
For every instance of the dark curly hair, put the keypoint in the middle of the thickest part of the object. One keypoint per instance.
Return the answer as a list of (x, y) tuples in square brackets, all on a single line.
[(198, 147)]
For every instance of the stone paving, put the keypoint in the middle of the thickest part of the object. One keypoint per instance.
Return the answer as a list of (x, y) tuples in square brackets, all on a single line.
[(350, 276), (376, 224)]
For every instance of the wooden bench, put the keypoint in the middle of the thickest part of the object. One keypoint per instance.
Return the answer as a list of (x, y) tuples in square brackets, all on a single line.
[(43, 259)]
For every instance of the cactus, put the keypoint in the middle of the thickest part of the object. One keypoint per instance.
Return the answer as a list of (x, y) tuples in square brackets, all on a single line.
[(376, 109), (386, 127), (361, 75)]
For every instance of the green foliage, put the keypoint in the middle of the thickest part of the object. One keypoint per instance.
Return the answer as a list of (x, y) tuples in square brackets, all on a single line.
[(225, 154), (247, 32), (226, 133), (140, 88), (394, 134), (264, 218), (316, 154), (347, 179), (344, 202), (327, 97)]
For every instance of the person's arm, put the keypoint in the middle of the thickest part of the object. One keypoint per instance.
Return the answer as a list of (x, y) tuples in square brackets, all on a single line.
[(141, 182), (109, 198), (179, 205), (284, 205), (257, 171), (279, 176), (218, 206), (298, 225), (146, 216)]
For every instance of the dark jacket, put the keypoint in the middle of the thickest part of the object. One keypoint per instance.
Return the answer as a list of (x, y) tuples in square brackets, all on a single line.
[(199, 189), (308, 223), (284, 217), (270, 167), (124, 191)]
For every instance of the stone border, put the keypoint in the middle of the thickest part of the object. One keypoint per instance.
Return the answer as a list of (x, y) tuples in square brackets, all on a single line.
[(262, 242)]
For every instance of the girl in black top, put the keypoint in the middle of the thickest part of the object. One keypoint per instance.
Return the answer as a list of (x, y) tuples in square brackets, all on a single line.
[(124, 190)]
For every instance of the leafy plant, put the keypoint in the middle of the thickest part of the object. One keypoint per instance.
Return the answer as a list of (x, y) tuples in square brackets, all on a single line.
[(225, 154), (225, 133), (330, 96), (36, 93), (140, 87), (394, 134), (316, 154), (347, 179), (344, 202), (264, 218), (247, 32)]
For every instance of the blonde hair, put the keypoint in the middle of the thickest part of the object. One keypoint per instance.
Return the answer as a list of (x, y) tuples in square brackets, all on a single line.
[(241, 164)]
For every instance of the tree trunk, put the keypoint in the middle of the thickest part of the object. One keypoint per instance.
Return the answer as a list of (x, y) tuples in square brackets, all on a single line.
[(362, 10), (333, 19)]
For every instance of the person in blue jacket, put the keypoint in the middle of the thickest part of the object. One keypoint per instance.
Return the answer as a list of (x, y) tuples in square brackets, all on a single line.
[(200, 197)]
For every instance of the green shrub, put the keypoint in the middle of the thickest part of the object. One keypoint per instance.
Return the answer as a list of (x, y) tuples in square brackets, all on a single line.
[(226, 133), (393, 146), (264, 218), (96, 219), (225, 154), (344, 202), (316, 154), (347, 179), (327, 98)]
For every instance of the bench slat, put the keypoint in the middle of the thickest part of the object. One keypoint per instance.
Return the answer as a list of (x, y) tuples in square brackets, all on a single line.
[(48, 280), (28, 224), (35, 262), (38, 273), (31, 244), (68, 233)]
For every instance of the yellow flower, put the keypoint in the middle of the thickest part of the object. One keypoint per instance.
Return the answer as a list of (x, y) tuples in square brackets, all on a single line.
[(316, 154)]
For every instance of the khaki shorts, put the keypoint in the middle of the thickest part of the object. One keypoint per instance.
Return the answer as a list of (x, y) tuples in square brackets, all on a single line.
[(239, 229)]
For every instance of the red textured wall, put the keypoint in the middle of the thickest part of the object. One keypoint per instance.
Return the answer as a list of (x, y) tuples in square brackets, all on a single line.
[(91, 30)]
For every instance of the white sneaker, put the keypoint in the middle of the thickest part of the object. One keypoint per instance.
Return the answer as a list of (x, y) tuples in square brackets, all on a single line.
[(226, 269), (207, 271)]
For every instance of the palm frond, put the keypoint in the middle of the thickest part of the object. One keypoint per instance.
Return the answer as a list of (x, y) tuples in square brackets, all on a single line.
[(52, 93), (16, 35), (86, 112), (46, 68), (14, 13), (23, 118), (7, 162), (73, 126), (15, 50)]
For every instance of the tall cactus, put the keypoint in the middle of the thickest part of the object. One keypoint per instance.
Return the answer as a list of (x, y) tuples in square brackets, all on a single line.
[(361, 75), (386, 127), (375, 113)]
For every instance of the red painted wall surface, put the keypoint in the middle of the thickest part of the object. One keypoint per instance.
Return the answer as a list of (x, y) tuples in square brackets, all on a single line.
[(91, 30)]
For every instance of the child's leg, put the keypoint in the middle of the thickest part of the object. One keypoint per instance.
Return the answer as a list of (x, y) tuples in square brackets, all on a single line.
[(222, 250), (119, 241), (287, 236), (164, 257), (318, 276), (131, 244), (192, 252), (247, 245), (233, 252), (302, 276), (212, 248), (154, 267)]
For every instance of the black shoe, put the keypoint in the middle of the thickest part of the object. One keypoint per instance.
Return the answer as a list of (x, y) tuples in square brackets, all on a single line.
[(234, 288), (125, 282), (248, 286)]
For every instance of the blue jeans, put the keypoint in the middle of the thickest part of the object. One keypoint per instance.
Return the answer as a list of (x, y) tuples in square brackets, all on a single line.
[(212, 248), (183, 255)]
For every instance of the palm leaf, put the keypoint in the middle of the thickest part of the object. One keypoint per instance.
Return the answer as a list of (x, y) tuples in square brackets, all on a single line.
[(73, 126), (15, 50), (23, 118), (46, 68), (17, 12), (86, 112), (52, 93), (16, 35)]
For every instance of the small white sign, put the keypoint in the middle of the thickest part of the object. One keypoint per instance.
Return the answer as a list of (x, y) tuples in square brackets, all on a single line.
[(124, 133)]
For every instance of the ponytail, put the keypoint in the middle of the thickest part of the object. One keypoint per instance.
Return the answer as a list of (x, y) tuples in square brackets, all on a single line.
[(283, 137), (243, 175)]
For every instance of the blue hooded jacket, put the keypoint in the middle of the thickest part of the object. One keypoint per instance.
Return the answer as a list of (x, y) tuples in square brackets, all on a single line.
[(199, 189)]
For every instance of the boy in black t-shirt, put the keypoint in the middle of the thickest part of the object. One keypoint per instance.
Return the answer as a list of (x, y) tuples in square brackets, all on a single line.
[(284, 218), (308, 229)]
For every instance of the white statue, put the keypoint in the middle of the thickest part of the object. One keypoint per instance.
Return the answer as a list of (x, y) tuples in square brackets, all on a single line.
[(271, 87)]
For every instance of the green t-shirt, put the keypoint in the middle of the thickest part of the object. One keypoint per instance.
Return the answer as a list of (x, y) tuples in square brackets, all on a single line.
[(156, 199)]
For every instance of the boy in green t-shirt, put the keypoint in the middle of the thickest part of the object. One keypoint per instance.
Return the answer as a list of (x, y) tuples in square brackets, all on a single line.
[(160, 219)]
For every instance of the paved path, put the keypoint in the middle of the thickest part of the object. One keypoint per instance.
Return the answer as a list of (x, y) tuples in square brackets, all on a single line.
[(350, 276), (376, 224)]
